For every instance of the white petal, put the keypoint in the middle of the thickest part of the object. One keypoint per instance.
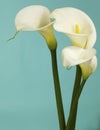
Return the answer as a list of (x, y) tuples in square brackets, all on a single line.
[(32, 18), (74, 55), (65, 21), (89, 67)]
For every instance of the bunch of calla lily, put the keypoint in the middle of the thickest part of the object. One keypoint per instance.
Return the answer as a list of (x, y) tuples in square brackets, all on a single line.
[(79, 28)]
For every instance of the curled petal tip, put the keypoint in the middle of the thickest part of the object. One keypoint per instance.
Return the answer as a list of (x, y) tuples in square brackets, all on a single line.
[(13, 37)]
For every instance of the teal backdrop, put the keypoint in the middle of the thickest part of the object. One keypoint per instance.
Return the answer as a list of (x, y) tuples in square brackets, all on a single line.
[(27, 99)]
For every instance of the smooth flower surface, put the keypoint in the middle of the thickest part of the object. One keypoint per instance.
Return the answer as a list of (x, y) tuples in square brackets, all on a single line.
[(36, 18), (76, 25), (33, 17), (73, 55), (77, 56)]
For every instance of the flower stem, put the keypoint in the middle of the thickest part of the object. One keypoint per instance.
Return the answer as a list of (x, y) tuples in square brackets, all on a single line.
[(80, 89), (74, 105), (72, 119), (58, 96)]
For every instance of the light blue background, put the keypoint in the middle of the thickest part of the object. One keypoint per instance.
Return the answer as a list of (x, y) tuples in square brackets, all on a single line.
[(27, 100)]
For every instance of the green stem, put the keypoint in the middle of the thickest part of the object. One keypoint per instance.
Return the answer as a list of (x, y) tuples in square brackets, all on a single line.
[(80, 90), (77, 83), (75, 105), (73, 112), (57, 91)]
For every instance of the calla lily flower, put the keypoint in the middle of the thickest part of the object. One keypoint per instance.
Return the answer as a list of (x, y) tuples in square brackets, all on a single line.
[(78, 56), (36, 18), (76, 24)]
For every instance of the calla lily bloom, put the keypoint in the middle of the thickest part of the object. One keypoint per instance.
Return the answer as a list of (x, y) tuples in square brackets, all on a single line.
[(36, 18), (76, 24), (78, 56)]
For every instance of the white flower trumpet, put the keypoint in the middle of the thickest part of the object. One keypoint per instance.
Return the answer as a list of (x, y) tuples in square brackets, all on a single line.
[(36, 18), (78, 56), (76, 25)]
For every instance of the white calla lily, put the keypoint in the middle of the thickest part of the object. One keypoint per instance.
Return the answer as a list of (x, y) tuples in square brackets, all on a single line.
[(73, 55), (76, 24), (36, 18), (78, 56)]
